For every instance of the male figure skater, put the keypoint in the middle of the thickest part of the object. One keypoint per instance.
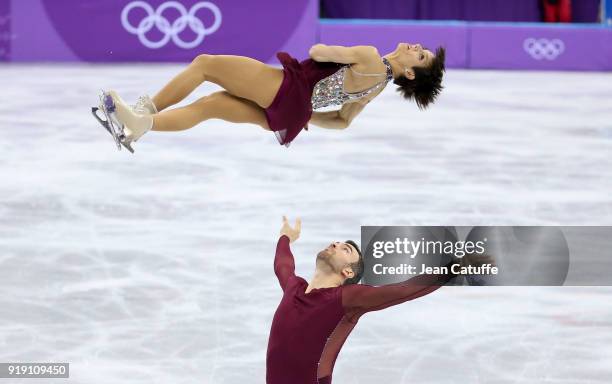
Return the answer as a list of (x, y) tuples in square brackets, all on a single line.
[(314, 318)]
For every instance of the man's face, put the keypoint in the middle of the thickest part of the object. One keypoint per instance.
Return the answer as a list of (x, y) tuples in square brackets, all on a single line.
[(339, 256)]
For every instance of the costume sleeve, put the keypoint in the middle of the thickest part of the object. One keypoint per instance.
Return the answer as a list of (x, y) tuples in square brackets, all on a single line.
[(360, 298), (284, 266)]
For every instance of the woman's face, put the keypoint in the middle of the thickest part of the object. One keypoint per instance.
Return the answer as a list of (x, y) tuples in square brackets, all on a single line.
[(413, 55)]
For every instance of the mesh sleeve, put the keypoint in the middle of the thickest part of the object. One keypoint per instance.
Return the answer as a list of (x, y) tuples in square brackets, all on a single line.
[(284, 266), (359, 298)]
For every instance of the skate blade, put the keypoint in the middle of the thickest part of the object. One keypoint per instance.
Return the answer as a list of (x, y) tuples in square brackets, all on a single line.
[(104, 123), (107, 106), (107, 126), (128, 146)]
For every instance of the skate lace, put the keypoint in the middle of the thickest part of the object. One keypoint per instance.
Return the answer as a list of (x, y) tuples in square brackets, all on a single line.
[(140, 106)]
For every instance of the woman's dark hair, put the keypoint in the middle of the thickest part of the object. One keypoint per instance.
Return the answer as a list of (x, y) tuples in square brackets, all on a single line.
[(427, 82), (356, 266)]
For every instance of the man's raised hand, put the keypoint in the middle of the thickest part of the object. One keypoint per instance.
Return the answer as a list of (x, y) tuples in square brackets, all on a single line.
[(292, 233)]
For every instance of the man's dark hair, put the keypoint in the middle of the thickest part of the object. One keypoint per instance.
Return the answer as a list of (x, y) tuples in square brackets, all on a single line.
[(356, 266), (427, 82)]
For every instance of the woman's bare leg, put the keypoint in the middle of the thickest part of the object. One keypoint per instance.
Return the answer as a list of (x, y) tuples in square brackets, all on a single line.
[(218, 105), (241, 76), (180, 86)]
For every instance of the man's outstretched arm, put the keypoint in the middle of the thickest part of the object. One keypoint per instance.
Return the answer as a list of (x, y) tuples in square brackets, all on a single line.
[(359, 298), (284, 265)]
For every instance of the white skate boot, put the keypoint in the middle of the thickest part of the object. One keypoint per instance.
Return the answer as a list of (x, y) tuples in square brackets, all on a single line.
[(122, 122)]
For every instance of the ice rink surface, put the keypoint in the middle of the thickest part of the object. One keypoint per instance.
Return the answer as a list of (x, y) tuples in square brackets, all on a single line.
[(157, 267)]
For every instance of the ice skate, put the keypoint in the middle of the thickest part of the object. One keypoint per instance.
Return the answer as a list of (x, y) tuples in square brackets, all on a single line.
[(107, 107), (134, 124), (121, 121)]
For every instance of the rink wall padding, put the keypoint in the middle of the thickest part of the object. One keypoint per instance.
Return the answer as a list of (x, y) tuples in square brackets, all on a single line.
[(531, 46), (177, 31)]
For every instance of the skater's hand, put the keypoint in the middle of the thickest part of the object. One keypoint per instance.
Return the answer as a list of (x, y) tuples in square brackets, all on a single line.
[(292, 233)]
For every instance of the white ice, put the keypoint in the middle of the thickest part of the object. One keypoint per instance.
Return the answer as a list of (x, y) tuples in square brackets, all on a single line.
[(157, 267)]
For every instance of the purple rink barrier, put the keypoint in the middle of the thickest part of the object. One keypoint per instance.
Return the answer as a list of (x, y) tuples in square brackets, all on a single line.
[(5, 30), (531, 46), (385, 34), (541, 47), (155, 30)]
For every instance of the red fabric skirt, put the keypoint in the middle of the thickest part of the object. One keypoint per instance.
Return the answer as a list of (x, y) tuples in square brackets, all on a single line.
[(291, 108)]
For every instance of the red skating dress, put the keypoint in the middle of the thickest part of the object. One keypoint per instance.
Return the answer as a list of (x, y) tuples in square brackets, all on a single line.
[(309, 329), (290, 110)]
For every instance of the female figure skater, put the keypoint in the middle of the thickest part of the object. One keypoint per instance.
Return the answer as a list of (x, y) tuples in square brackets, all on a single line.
[(282, 100)]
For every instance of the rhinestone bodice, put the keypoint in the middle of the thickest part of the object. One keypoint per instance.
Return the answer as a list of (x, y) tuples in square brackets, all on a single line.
[(330, 90)]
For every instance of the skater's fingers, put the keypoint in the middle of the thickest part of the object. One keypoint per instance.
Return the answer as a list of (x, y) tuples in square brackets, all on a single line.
[(298, 224), (284, 219)]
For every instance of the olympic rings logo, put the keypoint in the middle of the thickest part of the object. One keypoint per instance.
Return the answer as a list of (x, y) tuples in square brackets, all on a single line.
[(155, 18), (543, 48)]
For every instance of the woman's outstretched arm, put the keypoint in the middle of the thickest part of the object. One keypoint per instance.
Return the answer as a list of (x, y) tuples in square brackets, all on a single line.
[(340, 54)]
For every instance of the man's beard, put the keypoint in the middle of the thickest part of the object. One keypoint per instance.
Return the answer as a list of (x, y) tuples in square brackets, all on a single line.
[(324, 257)]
